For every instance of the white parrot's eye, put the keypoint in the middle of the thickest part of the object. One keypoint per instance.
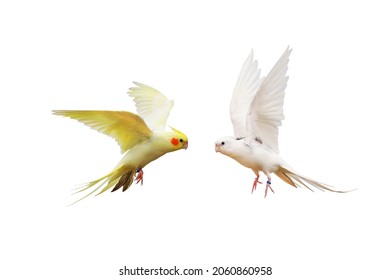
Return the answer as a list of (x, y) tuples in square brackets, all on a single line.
[(222, 143)]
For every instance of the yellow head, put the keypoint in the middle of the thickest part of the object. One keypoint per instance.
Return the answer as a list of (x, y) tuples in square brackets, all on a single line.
[(178, 139)]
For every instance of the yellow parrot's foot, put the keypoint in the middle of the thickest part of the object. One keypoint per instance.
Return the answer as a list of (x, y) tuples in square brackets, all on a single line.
[(140, 176), (255, 183), (268, 186)]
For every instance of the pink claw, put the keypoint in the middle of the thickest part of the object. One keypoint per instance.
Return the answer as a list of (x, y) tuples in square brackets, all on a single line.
[(255, 183), (268, 186), (140, 177)]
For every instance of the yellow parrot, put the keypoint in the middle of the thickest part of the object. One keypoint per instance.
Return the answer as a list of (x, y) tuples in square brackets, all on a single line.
[(142, 137)]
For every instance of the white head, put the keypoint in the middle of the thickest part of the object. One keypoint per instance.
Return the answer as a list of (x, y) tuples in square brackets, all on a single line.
[(225, 145)]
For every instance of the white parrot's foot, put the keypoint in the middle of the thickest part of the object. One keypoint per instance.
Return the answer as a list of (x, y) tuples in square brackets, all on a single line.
[(140, 176), (255, 182), (268, 186)]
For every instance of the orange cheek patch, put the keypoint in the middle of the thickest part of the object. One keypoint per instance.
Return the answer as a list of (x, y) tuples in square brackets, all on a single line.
[(175, 141)]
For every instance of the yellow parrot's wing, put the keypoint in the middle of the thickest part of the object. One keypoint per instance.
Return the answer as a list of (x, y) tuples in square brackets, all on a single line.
[(126, 128), (151, 105)]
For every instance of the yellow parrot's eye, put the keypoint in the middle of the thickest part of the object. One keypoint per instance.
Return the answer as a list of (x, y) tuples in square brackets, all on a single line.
[(181, 140)]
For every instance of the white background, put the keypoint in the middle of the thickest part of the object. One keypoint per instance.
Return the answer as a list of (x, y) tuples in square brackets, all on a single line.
[(195, 209)]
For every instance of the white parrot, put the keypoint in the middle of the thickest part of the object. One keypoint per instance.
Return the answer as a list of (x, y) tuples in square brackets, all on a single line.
[(142, 138), (256, 111)]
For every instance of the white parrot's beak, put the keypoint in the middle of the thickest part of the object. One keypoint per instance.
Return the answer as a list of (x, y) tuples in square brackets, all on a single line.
[(217, 148)]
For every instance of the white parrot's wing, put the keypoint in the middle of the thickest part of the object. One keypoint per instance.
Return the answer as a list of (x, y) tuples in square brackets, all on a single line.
[(126, 128), (266, 110), (247, 85), (151, 105)]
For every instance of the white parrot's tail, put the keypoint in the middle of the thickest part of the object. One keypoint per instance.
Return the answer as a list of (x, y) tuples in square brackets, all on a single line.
[(296, 180), (122, 176)]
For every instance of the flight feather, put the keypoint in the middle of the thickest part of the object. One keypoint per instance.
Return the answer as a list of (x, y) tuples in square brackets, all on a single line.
[(266, 109), (126, 128), (151, 105)]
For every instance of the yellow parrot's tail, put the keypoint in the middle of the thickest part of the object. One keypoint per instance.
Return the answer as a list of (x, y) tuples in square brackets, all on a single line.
[(122, 176)]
